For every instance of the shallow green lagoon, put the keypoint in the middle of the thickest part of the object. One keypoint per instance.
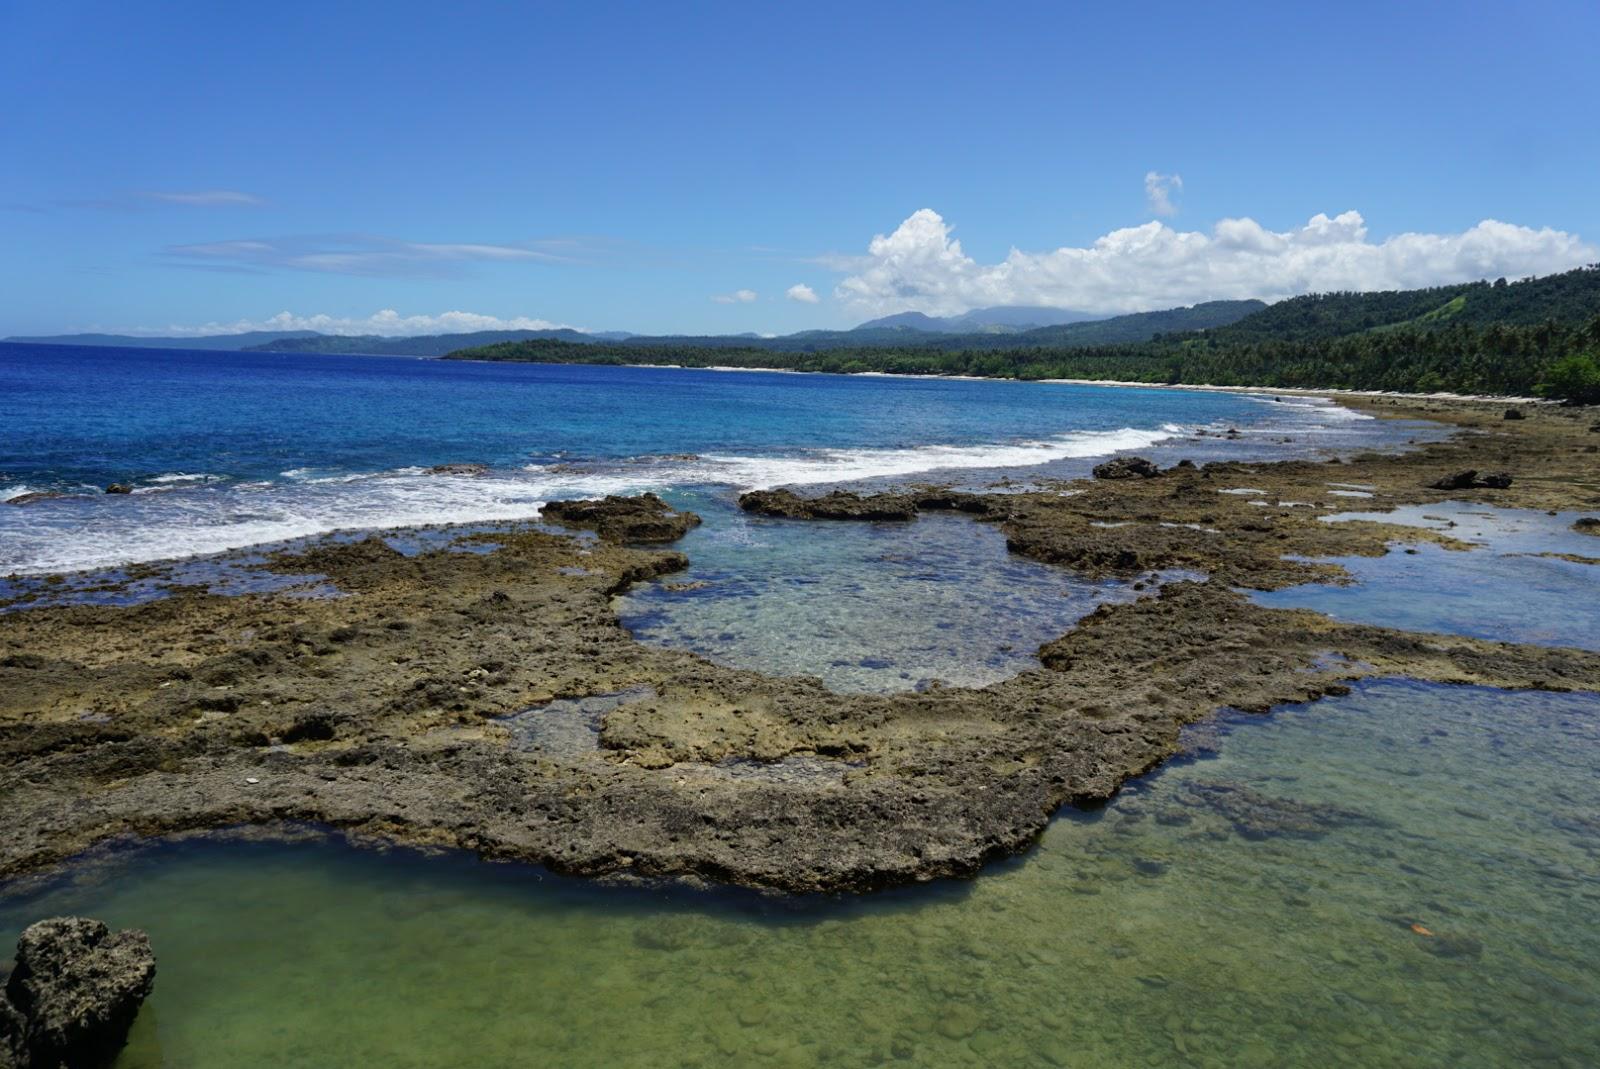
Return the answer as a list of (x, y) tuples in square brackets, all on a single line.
[(1252, 906)]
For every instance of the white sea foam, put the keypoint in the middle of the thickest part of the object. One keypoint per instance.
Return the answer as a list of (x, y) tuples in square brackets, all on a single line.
[(850, 465), (198, 517)]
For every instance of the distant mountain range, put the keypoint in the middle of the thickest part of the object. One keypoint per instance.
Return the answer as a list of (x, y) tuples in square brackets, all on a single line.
[(214, 342), (1001, 327), (997, 320)]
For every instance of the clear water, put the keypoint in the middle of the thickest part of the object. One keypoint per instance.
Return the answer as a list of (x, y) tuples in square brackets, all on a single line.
[(875, 607), (1512, 587), (232, 449), (1251, 908)]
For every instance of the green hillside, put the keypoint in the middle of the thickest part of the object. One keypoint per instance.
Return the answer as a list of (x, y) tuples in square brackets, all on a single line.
[(1539, 335)]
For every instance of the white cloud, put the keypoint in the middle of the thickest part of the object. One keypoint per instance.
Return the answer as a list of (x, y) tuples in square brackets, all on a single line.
[(387, 322), (736, 297), (205, 198), (358, 254), (802, 293), (921, 267), (1159, 189)]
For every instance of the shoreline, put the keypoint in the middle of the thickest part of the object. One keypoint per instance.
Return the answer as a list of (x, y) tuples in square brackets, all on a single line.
[(1297, 391), (382, 712)]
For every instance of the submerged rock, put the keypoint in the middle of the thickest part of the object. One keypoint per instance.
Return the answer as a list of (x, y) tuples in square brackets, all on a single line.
[(838, 505), (119, 488), (459, 469), (73, 994), (37, 495), (645, 518), (1126, 468)]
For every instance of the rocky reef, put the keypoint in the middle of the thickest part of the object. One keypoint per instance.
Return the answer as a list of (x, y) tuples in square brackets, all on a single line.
[(73, 994), (645, 518), (384, 711)]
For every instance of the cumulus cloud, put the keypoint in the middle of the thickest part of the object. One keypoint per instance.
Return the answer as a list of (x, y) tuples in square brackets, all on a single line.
[(921, 267), (1159, 190), (358, 254), (387, 322), (802, 293), (736, 297)]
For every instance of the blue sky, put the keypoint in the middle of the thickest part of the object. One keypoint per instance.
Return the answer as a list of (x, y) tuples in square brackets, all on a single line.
[(661, 167)]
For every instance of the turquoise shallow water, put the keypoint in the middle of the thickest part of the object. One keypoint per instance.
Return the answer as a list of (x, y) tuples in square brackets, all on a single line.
[(1249, 908), (1512, 587), (865, 606)]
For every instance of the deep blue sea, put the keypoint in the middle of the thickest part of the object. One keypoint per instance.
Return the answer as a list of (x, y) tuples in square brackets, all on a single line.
[(231, 449)]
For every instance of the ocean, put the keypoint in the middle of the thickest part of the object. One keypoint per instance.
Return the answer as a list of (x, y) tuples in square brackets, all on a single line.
[(225, 450)]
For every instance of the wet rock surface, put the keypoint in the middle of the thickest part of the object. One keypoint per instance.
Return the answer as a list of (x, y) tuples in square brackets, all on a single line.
[(1126, 468), (838, 505), (73, 993), (378, 711), (645, 518), (459, 468), (1470, 479)]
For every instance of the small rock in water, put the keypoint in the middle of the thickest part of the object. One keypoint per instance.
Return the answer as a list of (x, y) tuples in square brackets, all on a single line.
[(73, 994), (119, 488), (1126, 468)]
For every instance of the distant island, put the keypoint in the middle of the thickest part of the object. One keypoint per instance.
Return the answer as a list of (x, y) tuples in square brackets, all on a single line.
[(1537, 336)]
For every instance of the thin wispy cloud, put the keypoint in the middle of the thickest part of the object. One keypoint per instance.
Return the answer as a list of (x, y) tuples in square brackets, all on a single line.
[(736, 297), (204, 198), (358, 254), (1159, 191), (802, 293), (921, 267), (387, 322)]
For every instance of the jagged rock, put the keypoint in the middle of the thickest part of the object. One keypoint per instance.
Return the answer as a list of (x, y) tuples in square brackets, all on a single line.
[(645, 518), (459, 469), (74, 993), (838, 505), (119, 488), (1126, 468), (1471, 480)]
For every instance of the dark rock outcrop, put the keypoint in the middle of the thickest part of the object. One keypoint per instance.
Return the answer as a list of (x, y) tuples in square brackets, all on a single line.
[(1470, 479), (1587, 525), (37, 495), (459, 469), (73, 994), (1126, 468), (119, 488), (645, 518), (838, 505), (1514, 413)]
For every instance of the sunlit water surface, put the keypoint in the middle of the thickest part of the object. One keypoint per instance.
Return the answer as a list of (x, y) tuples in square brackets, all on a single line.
[(865, 606), (1517, 585), (1406, 876)]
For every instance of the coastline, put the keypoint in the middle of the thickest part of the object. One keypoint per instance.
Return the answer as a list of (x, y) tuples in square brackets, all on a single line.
[(204, 711), (1296, 391)]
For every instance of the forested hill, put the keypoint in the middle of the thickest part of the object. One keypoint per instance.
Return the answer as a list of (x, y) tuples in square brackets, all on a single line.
[(1535, 336), (1571, 298)]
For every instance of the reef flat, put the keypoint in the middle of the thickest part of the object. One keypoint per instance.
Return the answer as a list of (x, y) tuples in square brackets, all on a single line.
[(491, 700)]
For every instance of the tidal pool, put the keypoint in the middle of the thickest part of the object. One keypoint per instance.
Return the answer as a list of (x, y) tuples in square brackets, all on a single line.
[(1516, 586), (1406, 876), (866, 606)]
